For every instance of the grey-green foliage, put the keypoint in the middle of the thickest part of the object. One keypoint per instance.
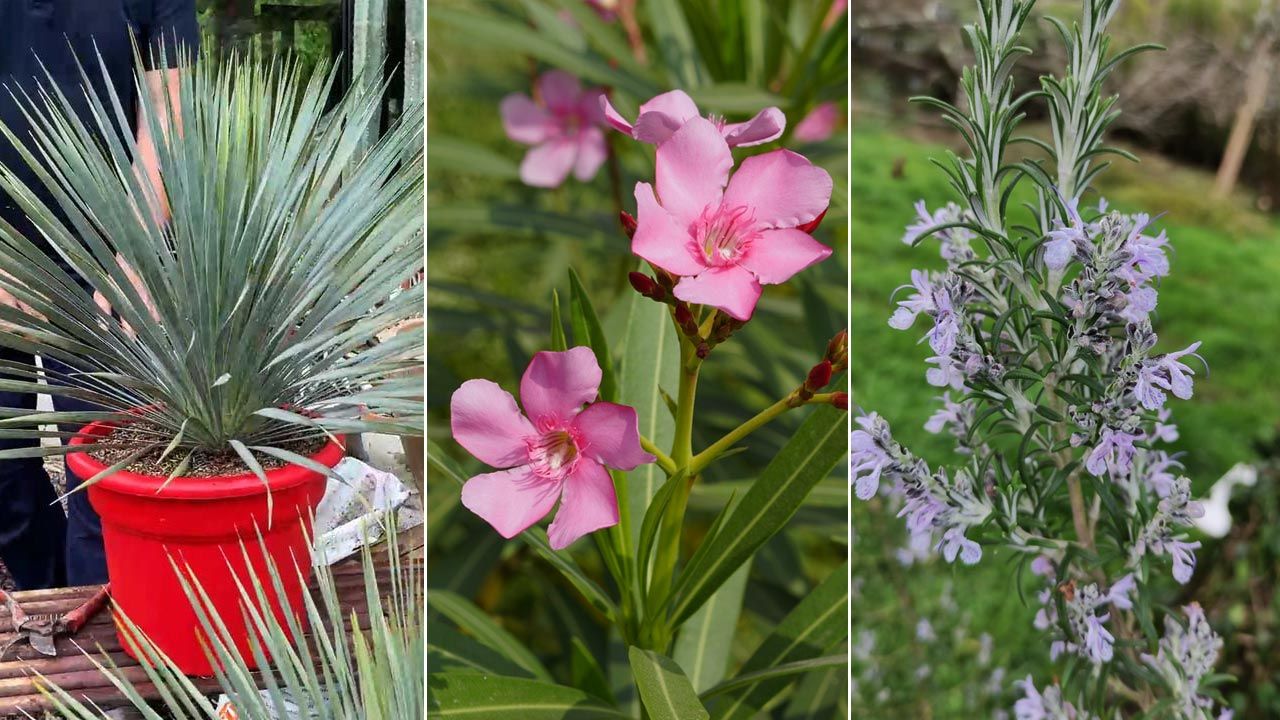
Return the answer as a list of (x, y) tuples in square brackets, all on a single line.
[(283, 257), (350, 668)]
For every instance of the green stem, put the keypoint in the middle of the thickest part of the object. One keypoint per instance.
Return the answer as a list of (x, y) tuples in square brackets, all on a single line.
[(716, 449), (667, 554), (664, 460)]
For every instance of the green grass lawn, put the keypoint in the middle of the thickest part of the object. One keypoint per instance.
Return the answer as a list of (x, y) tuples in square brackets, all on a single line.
[(1221, 291)]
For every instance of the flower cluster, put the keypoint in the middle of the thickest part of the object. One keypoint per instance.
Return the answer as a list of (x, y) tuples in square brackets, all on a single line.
[(1185, 658), (1161, 536), (934, 505), (1087, 634), (1046, 705)]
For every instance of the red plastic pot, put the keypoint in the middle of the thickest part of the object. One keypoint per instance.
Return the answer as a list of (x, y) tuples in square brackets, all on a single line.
[(200, 523)]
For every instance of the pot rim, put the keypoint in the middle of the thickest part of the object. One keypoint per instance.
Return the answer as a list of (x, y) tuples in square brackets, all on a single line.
[(214, 487)]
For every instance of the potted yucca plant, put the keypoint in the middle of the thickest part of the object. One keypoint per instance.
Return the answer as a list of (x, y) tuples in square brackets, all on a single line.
[(240, 341)]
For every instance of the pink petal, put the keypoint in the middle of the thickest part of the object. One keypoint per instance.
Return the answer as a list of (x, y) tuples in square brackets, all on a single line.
[(675, 104), (589, 503), (556, 385), (731, 288), (548, 164), (819, 124), (767, 125), (692, 168), (610, 435), (523, 120), (591, 153), (559, 90), (659, 239), (778, 254), (654, 128), (511, 500), (613, 117), (783, 188), (486, 422)]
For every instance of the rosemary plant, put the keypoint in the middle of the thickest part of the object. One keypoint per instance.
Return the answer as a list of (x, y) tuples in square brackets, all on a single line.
[(1043, 343)]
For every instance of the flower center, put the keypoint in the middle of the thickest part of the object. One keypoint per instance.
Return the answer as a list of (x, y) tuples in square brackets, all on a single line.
[(723, 234), (553, 454)]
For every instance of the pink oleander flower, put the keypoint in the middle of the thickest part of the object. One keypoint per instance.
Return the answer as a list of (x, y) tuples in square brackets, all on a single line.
[(664, 114), (725, 242), (820, 124), (558, 452), (564, 128)]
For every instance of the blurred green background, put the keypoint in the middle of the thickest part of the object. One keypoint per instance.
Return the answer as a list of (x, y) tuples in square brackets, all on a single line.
[(1222, 291), (498, 249)]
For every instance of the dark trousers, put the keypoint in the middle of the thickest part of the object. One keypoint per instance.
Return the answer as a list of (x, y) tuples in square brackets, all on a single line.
[(40, 545)]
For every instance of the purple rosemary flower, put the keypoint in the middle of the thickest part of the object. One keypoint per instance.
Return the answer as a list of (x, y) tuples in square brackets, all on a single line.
[(955, 241), (1162, 373), (1066, 240), (867, 457), (947, 373), (939, 298), (1184, 558), (954, 542), (1113, 452), (951, 414), (1047, 705), (1098, 642), (1157, 473), (1185, 656), (1164, 430), (1176, 510), (1120, 591), (921, 301)]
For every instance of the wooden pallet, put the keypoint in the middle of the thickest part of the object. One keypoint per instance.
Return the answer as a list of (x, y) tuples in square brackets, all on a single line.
[(73, 668)]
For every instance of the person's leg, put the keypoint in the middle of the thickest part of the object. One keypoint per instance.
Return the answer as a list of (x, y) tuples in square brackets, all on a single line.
[(85, 559), (32, 526)]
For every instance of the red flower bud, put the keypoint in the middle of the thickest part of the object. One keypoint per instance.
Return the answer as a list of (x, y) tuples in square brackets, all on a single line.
[(666, 280), (840, 400), (819, 376), (813, 224), (684, 318), (628, 224), (838, 351), (646, 286)]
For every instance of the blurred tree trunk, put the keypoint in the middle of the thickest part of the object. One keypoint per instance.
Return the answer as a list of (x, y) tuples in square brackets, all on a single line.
[(1257, 86)]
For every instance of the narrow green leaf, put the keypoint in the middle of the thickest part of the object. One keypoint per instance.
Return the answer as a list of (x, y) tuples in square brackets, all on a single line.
[(493, 697), (650, 362), (706, 640), (450, 153), (781, 489), (664, 690), (558, 341), (675, 42), (586, 672), (588, 330), (808, 632), (785, 670), (486, 630)]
